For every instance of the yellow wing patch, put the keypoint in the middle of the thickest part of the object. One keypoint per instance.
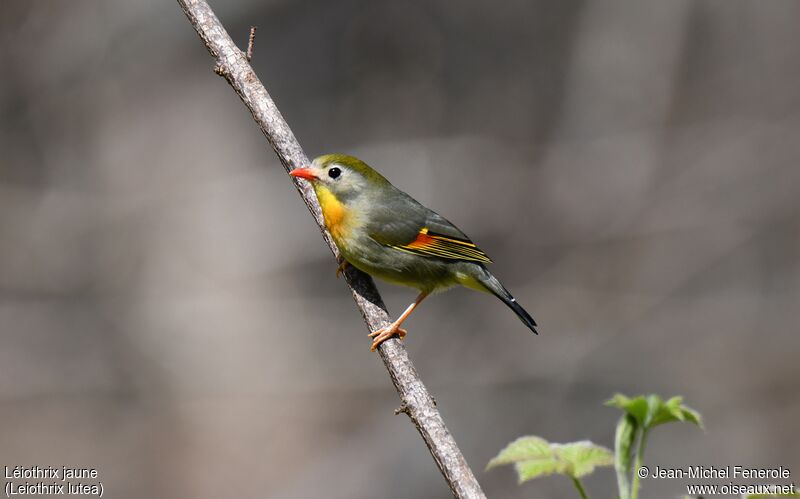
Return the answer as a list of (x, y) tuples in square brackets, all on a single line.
[(431, 244)]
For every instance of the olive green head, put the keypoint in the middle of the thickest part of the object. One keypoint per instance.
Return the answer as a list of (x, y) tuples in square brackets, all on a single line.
[(344, 176)]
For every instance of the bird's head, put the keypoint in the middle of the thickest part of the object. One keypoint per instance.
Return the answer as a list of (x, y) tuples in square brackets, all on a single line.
[(346, 177)]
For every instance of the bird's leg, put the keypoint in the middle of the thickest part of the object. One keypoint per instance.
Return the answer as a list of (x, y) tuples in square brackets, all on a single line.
[(342, 266), (384, 334)]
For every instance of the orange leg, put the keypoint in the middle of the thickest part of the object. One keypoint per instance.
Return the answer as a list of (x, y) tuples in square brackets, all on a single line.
[(384, 334)]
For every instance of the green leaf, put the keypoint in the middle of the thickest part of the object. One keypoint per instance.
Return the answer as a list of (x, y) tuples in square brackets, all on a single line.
[(623, 445), (534, 457), (528, 470), (522, 449), (652, 411), (583, 457), (636, 407), (673, 410)]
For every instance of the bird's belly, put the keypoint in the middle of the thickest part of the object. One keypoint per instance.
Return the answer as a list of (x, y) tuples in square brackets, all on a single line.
[(397, 267)]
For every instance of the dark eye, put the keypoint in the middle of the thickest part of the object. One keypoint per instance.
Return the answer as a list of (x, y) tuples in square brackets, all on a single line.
[(334, 172)]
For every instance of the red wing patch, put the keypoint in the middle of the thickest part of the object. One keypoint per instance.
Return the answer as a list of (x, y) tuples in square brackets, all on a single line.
[(431, 244)]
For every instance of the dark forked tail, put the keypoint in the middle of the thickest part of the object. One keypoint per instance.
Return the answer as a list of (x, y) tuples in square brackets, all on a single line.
[(493, 286)]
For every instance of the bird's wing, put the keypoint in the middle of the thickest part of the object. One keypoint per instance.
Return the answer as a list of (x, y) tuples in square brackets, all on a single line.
[(406, 225)]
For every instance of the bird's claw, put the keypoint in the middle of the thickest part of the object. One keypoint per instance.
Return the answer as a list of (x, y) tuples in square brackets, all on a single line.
[(399, 331), (384, 334), (341, 268)]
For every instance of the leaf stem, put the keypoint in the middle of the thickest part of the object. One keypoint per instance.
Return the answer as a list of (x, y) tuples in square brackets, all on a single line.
[(579, 486), (624, 438), (638, 463)]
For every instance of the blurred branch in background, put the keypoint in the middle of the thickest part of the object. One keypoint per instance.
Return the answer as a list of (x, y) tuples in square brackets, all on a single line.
[(417, 403)]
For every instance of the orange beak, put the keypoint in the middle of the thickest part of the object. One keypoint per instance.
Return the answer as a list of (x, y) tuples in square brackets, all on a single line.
[(305, 173)]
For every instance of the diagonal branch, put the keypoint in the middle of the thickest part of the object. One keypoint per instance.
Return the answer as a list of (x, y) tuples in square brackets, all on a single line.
[(417, 403)]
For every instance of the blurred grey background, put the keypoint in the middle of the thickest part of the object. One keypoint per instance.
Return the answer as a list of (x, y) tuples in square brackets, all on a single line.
[(169, 313)]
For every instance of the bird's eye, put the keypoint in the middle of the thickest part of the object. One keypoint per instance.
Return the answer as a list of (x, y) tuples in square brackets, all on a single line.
[(334, 172)]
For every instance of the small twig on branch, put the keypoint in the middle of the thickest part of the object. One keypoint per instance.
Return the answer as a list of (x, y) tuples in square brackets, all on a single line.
[(233, 64), (251, 42)]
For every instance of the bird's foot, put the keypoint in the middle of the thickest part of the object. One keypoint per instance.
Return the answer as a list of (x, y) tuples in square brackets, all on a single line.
[(341, 268), (384, 334)]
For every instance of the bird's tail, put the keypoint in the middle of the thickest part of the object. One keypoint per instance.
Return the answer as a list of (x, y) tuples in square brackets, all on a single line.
[(491, 284)]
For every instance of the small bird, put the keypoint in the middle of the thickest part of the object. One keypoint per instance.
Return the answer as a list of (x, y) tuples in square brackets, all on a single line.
[(386, 233)]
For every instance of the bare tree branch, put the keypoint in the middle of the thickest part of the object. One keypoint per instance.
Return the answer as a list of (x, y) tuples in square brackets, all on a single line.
[(233, 64)]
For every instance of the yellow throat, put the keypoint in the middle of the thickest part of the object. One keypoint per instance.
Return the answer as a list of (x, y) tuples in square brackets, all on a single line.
[(337, 216)]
